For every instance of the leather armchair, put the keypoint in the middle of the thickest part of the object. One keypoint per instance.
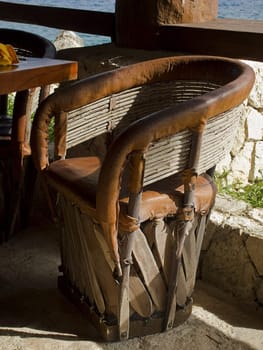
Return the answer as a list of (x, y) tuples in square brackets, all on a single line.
[(133, 205)]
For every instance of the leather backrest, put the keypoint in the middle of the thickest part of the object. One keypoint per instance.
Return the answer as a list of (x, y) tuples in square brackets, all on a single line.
[(234, 78)]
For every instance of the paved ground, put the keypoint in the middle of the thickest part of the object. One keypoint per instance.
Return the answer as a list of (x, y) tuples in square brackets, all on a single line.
[(34, 315)]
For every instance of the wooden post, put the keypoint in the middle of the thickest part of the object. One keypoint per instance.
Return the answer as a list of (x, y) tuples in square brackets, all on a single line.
[(137, 21)]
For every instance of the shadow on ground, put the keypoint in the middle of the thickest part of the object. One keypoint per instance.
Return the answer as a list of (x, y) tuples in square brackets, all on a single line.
[(33, 312)]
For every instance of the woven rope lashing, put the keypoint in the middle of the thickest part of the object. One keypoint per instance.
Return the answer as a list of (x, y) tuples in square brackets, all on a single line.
[(122, 212)]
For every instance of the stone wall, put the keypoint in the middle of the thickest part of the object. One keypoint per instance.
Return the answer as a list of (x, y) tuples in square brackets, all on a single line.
[(245, 162), (232, 251)]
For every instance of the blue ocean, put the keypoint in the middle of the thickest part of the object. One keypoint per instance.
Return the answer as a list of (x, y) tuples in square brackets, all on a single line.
[(246, 9)]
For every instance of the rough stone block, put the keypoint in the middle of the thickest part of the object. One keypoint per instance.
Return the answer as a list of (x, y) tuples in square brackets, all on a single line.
[(231, 257), (241, 164), (255, 250), (254, 125), (226, 206), (256, 96), (227, 264), (240, 136), (186, 11), (259, 291), (258, 162), (68, 39), (257, 215), (224, 164), (135, 17)]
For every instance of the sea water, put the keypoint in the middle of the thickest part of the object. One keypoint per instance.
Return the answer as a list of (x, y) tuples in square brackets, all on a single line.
[(246, 9), (250, 9), (51, 33)]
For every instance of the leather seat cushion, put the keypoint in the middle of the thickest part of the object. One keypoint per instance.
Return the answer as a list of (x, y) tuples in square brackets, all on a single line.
[(77, 180)]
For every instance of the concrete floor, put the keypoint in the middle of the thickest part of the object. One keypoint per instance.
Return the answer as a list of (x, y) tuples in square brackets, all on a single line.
[(34, 315)]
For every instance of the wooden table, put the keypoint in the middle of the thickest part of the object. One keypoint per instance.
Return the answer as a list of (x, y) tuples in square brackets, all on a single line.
[(33, 72), (27, 74)]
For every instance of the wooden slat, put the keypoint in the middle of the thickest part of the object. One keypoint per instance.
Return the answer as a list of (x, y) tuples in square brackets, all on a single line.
[(230, 24), (88, 266), (224, 37), (149, 270), (108, 285), (139, 298), (189, 259), (101, 23)]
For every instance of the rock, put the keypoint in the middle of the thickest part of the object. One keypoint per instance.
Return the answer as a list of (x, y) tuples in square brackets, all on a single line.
[(240, 136), (258, 162), (245, 162), (241, 165), (254, 125), (257, 215), (227, 264), (67, 39), (224, 165), (228, 206), (231, 256), (259, 291), (255, 248), (256, 96)]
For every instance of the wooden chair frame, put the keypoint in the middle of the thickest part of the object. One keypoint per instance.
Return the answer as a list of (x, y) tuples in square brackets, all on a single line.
[(110, 217)]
